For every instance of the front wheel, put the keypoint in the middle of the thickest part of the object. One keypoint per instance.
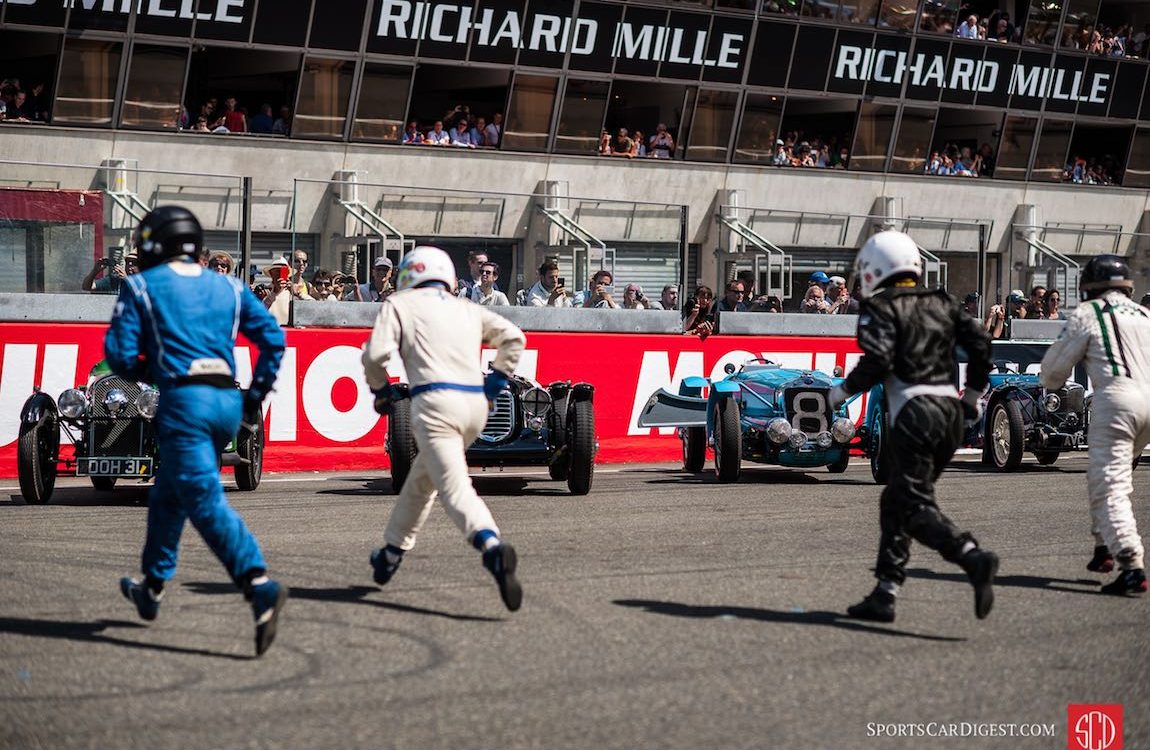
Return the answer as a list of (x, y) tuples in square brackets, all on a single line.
[(557, 425), (879, 463), (250, 447), (36, 455), (400, 443), (694, 448), (1004, 434), (728, 441), (1046, 458), (839, 465), (581, 446)]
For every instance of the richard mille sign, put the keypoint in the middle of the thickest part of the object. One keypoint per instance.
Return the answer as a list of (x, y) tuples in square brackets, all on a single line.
[(223, 11), (973, 75)]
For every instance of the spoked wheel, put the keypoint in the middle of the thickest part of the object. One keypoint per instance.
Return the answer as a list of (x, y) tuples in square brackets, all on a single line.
[(876, 452), (250, 447), (581, 447), (1005, 436), (728, 441), (39, 445), (400, 443), (694, 448)]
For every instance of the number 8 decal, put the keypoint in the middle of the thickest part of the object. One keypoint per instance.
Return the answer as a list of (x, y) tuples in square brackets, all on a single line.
[(809, 405)]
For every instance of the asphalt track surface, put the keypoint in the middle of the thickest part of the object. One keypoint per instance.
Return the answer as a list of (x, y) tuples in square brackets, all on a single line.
[(662, 611)]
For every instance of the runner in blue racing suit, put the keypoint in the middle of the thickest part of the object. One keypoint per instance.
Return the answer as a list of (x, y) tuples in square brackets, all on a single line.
[(175, 325)]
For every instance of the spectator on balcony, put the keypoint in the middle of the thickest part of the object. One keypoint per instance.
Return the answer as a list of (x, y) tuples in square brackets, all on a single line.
[(299, 288), (38, 102), (437, 136), (323, 286), (699, 312), (1052, 306), (114, 273), (475, 261), (380, 287), (781, 157), (412, 136), (452, 117), (661, 144), (734, 297), (264, 121), (461, 135), (479, 133), (495, 130), (547, 291), (19, 109), (814, 301), (839, 298), (1035, 306), (968, 29), (278, 300), (221, 262), (233, 119), (485, 292), (639, 147), (633, 298), (282, 125), (600, 293), (622, 145), (668, 299)]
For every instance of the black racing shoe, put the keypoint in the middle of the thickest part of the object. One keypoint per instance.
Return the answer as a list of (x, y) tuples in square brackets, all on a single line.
[(147, 603), (1102, 562), (502, 561), (878, 607), (981, 566), (1128, 583), (268, 600), (382, 566)]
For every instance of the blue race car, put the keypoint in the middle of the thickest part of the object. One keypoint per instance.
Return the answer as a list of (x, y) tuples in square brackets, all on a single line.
[(762, 413)]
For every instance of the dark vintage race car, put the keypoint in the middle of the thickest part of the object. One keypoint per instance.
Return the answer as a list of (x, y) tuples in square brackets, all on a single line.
[(529, 425), (762, 413), (109, 421)]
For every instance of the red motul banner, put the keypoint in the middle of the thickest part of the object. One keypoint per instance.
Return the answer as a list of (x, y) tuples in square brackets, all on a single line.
[(320, 416)]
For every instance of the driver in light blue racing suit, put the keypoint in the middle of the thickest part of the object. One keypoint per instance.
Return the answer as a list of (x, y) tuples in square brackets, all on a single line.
[(175, 325), (1111, 335)]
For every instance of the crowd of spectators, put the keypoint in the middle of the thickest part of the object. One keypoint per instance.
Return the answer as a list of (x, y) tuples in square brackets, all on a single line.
[(1103, 40), (1042, 304), (457, 128), (234, 119), (20, 104), (636, 145), (961, 162), (1107, 41), (1092, 171), (795, 151)]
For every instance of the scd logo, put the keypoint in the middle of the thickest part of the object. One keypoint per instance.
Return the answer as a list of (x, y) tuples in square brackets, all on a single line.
[(1095, 726)]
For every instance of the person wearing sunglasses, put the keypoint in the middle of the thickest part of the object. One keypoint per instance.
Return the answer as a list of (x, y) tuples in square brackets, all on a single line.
[(221, 262), (323, 286), (733, 298), (299, 288), (485, 293)]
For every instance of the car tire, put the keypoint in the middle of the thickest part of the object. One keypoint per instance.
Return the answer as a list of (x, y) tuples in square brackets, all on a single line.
[(250, 447), (839, 465), (1004, 435), (104, 484), (581, 447), (694, 449), (36, 453), (1046, 458), (560, 466), (728, 441), (401, 448), (876, 451)]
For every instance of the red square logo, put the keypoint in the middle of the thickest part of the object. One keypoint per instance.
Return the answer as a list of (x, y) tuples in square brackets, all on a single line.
[(1094, 726)]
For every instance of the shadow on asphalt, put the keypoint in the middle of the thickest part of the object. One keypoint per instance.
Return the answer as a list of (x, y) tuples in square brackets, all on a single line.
[(136, 495), (1016, 581), (977, 467), (755, 476), (345, 595), (832, 619), (94, 632), (494, 486)]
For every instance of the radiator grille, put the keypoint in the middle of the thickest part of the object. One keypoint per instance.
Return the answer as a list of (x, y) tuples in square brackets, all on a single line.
[(102, 387), (1073, 399), (501, 420)]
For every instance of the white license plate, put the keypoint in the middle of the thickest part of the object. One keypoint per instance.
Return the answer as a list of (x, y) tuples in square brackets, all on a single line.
[(115, 467)]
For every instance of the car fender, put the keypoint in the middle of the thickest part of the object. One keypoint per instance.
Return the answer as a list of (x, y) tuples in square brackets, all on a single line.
[(37, 405), (692, 386), (582, 392), (720, 390)]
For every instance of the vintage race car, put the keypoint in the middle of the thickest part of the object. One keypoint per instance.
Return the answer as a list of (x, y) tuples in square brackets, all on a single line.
[(109, 420), (761, 412), (529, 425)]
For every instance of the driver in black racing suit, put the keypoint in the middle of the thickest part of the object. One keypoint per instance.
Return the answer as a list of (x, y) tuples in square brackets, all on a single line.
[(908, 336)]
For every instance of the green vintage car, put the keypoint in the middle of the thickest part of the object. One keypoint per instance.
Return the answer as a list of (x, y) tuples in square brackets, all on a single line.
[(109, 420)]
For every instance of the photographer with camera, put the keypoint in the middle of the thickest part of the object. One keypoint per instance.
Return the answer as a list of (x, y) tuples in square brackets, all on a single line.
[(549, 291), (601, 292), (997, 322), (114, 273), (699, 312), (323, 286)]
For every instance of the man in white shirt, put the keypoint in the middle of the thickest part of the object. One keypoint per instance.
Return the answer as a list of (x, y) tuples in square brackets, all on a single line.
[(968, 29), (548, 291), (485, 293), (495, 130), (437, 136)]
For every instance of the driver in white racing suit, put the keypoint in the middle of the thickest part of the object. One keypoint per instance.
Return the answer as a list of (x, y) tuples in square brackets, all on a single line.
[(1111, 334), (438, 338)]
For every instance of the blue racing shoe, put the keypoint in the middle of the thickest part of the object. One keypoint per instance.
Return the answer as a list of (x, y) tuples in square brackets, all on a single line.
[(147, 604), (268, 600)]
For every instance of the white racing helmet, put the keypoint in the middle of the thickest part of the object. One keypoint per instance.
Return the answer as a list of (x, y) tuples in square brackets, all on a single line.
[(885, 255), (423, 264)]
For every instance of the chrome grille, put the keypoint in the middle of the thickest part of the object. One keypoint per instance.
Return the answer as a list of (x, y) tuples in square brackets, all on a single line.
[(119, 437), (100, 390), (501, 419), (1073, 398)]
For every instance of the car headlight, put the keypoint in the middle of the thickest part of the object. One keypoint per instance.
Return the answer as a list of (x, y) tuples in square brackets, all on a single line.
[(842, 430), (778, 430), (72, 403), (536, 402), (116, 401), (1051, 401), (824, 440), (798, 439), (147, 402)]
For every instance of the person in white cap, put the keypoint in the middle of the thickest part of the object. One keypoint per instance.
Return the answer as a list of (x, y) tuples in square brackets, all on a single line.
[(379, 288), (438, 338), (278, 301), (908, 336)]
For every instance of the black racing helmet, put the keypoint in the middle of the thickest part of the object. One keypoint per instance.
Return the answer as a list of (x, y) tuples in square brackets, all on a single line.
[(1102, 273), (167, 232)]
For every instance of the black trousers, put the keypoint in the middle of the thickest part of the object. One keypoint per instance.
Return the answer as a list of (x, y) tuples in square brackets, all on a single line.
[(921, 442)]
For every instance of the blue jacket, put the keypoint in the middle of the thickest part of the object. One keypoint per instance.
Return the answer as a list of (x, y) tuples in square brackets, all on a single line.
[(183, 319)]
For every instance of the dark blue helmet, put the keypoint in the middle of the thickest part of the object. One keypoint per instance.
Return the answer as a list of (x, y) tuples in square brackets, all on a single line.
[(1103, 273), (165, 233)]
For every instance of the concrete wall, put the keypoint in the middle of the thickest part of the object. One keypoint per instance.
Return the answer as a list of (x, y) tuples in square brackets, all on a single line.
[(444, 173)]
